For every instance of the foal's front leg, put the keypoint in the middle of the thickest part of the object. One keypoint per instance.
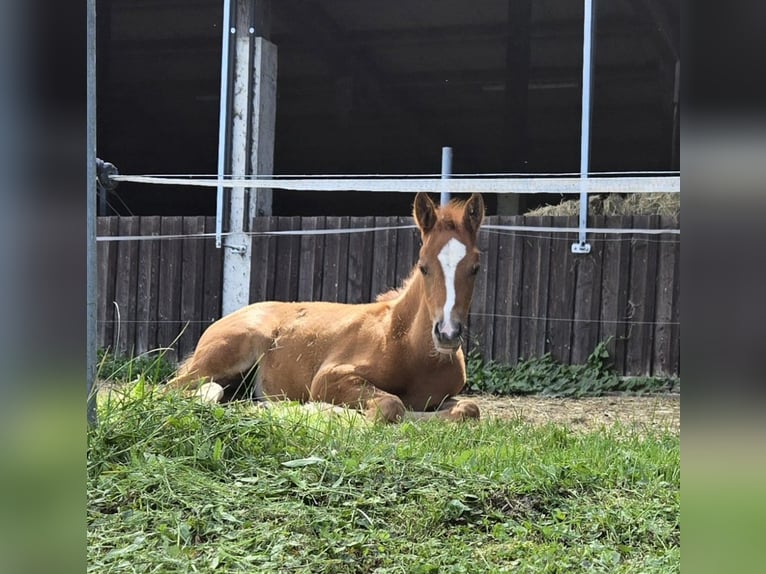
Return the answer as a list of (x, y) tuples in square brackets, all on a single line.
[(340, 385), (451, 409)]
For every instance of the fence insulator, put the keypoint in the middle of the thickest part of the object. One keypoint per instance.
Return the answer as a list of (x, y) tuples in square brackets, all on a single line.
[(104, 173)]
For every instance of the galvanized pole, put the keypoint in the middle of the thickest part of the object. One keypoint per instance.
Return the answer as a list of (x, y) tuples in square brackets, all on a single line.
[(90, 225), (223, 117), (237, 252), (676, 103), (589, 27), (446, 173)]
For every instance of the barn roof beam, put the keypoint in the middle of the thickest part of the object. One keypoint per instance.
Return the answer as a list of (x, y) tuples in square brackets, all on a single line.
[(323, 36), (489, 78), (557, 29)]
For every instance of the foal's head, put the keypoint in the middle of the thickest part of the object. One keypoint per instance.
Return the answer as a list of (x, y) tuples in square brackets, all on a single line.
[(449, 262)]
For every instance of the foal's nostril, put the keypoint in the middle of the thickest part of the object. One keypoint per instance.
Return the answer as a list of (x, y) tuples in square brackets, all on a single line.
[(445, 336)]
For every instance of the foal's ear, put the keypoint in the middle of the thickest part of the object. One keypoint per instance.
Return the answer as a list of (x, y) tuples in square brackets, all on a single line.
[(473, 214), (424, 212)]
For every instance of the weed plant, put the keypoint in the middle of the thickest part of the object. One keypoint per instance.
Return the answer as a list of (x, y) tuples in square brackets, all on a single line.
[(546, 376)]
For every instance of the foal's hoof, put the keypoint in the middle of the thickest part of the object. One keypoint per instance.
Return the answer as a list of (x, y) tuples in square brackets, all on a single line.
[(464, 410), (385, 409), (210, 393)]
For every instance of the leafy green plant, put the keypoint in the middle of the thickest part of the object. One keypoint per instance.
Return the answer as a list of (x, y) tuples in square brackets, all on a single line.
[(546, 376)]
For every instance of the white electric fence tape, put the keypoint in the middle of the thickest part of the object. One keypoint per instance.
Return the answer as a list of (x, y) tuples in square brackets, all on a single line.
[(606, 182), (552, 185)]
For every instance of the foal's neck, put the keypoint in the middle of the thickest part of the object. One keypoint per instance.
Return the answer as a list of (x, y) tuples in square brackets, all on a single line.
[(410, 312)]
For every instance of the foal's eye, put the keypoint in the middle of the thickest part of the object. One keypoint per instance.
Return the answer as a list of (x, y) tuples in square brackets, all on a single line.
[(475, 269), (423, 269)]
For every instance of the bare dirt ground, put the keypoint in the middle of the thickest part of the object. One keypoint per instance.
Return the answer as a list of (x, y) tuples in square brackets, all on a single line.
[(654, 412)]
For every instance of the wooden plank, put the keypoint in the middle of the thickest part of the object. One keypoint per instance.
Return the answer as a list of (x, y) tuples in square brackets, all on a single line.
[(666, 280), (147, 285), (393, 251), (311, 261), (614, 291), (192, 281), (530, 323), (587, 303), (498, 276), (319, 260), (407, 240), (328, 286), (169, 291), (561, 294), (384, 258), (540, 346), (212, 288), (126, 285), (651, 300), (480, 320), (263, 250), (360, 246), (335, 277), (508, 281), (107, 271), (643, 277), (674, 362), (492, 270), (287, 260), (517, 278)]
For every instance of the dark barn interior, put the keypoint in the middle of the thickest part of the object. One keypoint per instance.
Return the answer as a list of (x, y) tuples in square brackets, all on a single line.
[(379, 87)]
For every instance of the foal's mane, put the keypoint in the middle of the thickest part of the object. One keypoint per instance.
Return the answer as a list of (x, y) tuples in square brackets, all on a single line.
[(394, 293)]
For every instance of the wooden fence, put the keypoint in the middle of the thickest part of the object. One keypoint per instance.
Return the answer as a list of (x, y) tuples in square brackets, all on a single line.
[(532, 294)]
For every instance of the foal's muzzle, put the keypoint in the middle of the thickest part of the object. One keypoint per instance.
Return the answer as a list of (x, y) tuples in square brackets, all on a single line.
[(447, 336)]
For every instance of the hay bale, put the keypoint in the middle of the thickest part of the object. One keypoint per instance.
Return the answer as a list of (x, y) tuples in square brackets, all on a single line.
[(668, 204)]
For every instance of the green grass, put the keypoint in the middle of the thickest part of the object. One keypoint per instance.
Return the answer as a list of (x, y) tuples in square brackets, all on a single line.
[(176, 486)]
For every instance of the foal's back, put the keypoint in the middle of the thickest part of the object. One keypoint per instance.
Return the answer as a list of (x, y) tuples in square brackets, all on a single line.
[(287, 343)]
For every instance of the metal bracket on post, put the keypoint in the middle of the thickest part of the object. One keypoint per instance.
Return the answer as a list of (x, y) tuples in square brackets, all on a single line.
[(582, 246), (240, 249)]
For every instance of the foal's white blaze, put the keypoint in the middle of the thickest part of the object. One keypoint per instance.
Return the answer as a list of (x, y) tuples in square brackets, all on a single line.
[(450, 256)]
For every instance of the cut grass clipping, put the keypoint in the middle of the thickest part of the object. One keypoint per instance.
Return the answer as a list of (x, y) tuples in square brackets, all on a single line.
[(178, 486)]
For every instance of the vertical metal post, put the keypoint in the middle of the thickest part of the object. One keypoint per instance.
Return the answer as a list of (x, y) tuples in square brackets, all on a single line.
[(90, 225), (446, 173), (676, 102), (236, 256), (582, 246), (223, 117)]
